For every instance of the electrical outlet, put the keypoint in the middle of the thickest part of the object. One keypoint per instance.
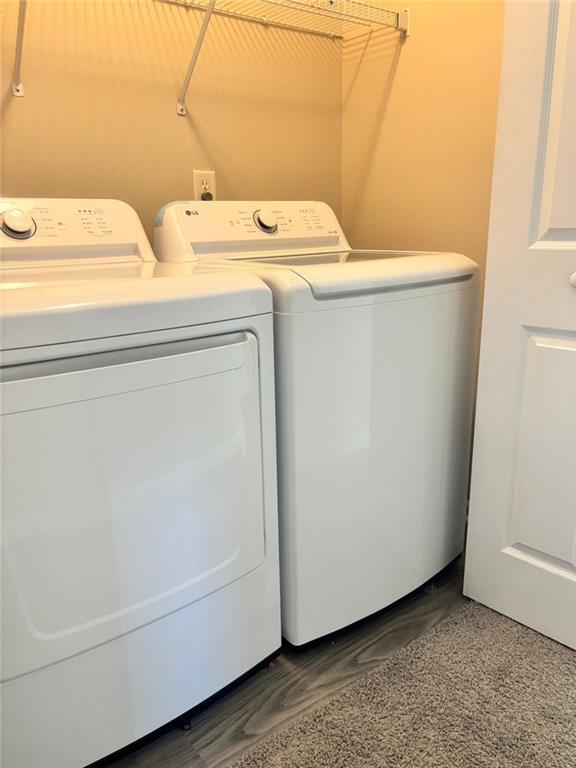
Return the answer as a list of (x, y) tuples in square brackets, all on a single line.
[(204, 185)]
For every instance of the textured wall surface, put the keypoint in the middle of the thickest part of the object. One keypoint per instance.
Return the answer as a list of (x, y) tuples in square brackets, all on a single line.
[(397, 138), (419, 123), (98, 118)]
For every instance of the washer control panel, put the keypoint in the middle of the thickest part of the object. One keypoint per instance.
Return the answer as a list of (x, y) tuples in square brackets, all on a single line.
[(46, 230), (228, 229)]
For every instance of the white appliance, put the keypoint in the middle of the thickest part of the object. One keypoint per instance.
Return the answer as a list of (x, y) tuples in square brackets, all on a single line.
[(139, 513), (375, 374)]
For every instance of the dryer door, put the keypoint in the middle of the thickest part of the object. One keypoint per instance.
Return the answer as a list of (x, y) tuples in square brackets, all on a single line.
[(131, 487)]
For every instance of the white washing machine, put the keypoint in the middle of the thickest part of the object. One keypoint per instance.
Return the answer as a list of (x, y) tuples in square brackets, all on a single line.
[(375, 377), (139, 515)]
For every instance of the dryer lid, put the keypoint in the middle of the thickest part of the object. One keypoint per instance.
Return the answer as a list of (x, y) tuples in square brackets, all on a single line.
[(37, 314)]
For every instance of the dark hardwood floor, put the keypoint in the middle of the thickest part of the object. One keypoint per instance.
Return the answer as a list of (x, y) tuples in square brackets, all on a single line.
[(296, 681)]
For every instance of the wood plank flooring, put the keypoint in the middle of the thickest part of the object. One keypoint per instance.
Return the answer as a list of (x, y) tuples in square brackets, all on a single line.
[(297, 681)]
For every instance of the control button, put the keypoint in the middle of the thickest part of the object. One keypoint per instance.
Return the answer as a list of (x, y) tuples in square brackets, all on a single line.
[(265, 220), (17, 223)]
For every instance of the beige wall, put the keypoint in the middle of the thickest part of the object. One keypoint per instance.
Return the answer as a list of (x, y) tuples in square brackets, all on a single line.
[(397, 138), (98, 118), (418, 130)]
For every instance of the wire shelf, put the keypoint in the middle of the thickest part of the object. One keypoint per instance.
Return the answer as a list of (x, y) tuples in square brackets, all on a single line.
[(332, 18)]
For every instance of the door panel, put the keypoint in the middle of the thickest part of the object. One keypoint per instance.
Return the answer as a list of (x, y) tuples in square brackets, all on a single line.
[(545, 477), (522, 531), (141, 493), (556, 180)]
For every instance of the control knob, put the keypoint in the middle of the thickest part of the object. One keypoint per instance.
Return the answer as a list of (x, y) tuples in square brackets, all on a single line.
[(265, 220), (18, 223)]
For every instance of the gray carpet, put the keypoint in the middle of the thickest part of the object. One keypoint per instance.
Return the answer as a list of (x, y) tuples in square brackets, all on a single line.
[(477, 691)]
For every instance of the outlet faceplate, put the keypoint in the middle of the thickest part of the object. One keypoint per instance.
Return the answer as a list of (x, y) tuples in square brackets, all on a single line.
[(204, 185)]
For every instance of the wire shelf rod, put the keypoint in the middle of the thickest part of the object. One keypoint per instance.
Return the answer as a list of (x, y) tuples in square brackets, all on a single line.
[(17, 86)]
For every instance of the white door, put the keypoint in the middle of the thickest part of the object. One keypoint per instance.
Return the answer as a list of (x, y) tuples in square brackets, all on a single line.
[(521, 556)]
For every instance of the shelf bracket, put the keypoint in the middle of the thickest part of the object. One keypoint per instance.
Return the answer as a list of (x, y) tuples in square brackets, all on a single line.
[(17, 85), (404, 22), (181, 106)]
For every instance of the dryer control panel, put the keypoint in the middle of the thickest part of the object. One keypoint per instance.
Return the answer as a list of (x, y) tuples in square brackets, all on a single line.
[(36, 231), (230, 229)]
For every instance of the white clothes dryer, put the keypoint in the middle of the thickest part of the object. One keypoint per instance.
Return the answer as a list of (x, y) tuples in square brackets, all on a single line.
[(375, 375), (139, 515)]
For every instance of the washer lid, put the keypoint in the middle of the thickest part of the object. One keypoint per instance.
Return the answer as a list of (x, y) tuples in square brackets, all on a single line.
[(36, 314), (356, 272)]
